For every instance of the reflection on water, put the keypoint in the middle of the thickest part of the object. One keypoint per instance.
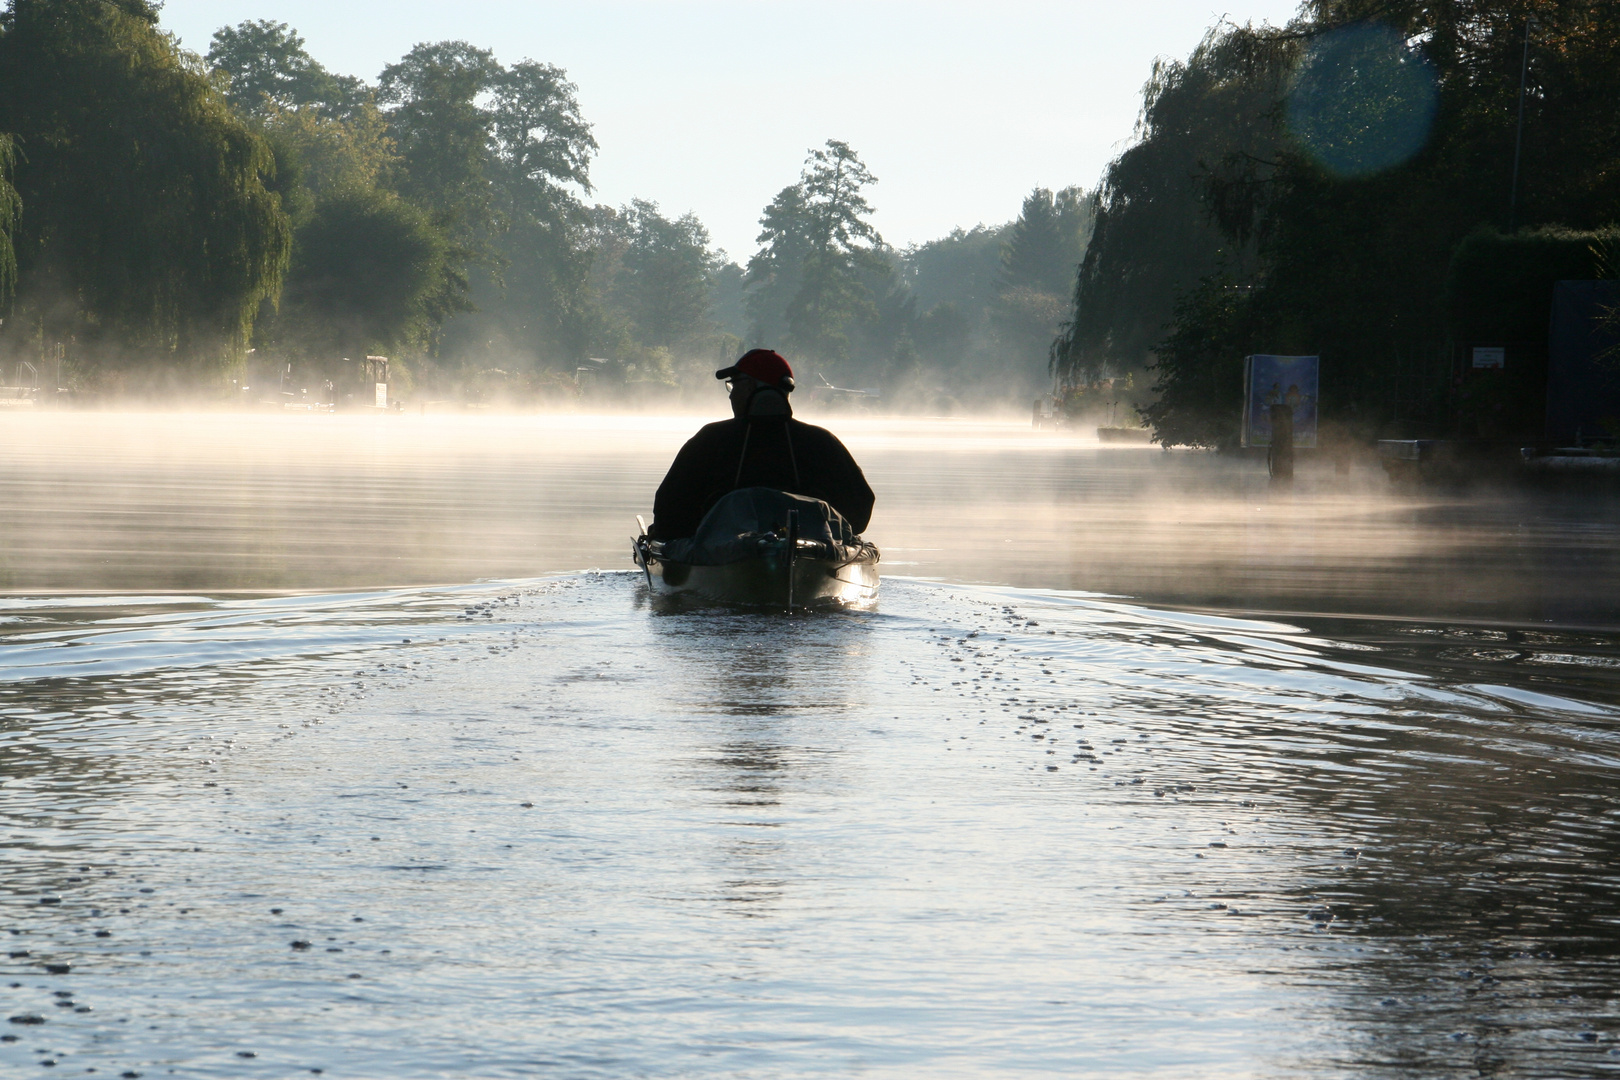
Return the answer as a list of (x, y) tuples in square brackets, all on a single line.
[(149, 502), (538, 826)]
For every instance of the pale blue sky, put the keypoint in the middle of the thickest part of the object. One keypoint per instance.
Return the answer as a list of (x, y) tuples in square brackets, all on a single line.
[(958, 108)]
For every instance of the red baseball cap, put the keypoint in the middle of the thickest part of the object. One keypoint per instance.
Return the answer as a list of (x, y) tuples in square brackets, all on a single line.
[(762, 364)]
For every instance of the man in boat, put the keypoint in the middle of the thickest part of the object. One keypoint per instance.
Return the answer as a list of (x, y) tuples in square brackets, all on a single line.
[(760, 446)]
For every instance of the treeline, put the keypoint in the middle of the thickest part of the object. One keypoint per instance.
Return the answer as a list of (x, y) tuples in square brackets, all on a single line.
[(137, 217), (166, 216), (1328, 188), (966, 317)]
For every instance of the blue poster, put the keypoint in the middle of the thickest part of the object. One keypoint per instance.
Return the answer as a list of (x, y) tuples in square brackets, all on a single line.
[(1279, 380)]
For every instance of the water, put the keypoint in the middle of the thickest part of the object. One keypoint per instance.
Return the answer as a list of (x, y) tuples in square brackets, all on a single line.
[(109, 502), (977, 829)]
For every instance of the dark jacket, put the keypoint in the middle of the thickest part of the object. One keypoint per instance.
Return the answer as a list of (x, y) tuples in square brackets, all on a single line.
[(780, 453)]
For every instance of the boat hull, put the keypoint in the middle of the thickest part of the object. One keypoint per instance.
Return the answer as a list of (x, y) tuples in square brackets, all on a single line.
[(769, 580)]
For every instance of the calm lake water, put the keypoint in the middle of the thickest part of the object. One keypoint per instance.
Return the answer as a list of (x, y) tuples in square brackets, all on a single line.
[(352, 746)]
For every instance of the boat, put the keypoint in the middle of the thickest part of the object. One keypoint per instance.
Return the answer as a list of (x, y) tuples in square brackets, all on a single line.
[(762, 547)]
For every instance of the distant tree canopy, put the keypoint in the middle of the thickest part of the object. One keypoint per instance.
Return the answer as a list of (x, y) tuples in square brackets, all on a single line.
[(268, 70), (1039, 260), (145, 220), (1044, 246), (656, 272), (968, 316), (807, 285), (963, 268), (1303, 190), (459, 173), (158, 210)]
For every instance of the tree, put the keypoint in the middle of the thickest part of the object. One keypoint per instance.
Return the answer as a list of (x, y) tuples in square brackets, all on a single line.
[(322, 154), (1331, 171), (726, 296), (10, 206), (963, 269), (543, 145), (366, 277), (267, 69), (663, 280), (842, 245), (1035, 256), (1038, 265), (147, 224), (541, 148), (806, 282), (776, 272), (1154, 236), (443, 134), (500, 157)]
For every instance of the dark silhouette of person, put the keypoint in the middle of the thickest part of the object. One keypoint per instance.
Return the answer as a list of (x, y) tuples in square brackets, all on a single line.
[(760, 446)]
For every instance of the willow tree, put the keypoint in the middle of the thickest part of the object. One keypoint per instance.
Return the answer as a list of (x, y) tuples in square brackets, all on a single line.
[(147, 231), (1358, 150), (9, 206), (1156, 234)]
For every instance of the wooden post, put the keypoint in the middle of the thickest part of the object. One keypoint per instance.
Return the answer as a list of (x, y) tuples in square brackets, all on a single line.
[(1280, 454)]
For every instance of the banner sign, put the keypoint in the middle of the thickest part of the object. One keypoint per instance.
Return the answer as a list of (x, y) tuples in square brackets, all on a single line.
[(1279, 380)]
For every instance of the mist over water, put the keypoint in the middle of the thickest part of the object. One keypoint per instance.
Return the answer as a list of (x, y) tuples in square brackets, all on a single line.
[(320, 748), (265, 502)]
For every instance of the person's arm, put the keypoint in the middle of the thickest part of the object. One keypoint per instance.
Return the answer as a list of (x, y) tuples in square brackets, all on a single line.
[(678, 506), (841, 481)]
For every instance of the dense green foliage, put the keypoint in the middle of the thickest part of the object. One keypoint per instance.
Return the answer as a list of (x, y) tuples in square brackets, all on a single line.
[(158, 209), (146, 230), (365, 277), (461, 174), (266, 70), (969, 316), (655, 273), (10, 205), (808, 283), (1305, 190)]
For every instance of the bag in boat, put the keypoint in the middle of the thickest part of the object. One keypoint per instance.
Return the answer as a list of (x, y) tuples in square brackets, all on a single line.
[(730, 531)]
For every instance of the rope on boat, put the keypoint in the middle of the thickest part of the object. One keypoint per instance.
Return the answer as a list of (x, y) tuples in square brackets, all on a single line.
[(787, 433), (742, 457), (748, 429)]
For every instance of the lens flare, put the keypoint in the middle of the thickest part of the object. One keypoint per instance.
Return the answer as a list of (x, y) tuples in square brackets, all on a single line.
[(1363, 100)]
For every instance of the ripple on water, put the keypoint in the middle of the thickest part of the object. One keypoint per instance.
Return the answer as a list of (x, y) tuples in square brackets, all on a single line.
[(541, 824)]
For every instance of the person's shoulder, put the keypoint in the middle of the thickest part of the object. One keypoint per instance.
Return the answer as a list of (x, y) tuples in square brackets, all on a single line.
[(716, 429), (811, 429), (812, 433)]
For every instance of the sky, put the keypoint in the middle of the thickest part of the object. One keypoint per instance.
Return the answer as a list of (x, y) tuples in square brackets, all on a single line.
[(959, 109)]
